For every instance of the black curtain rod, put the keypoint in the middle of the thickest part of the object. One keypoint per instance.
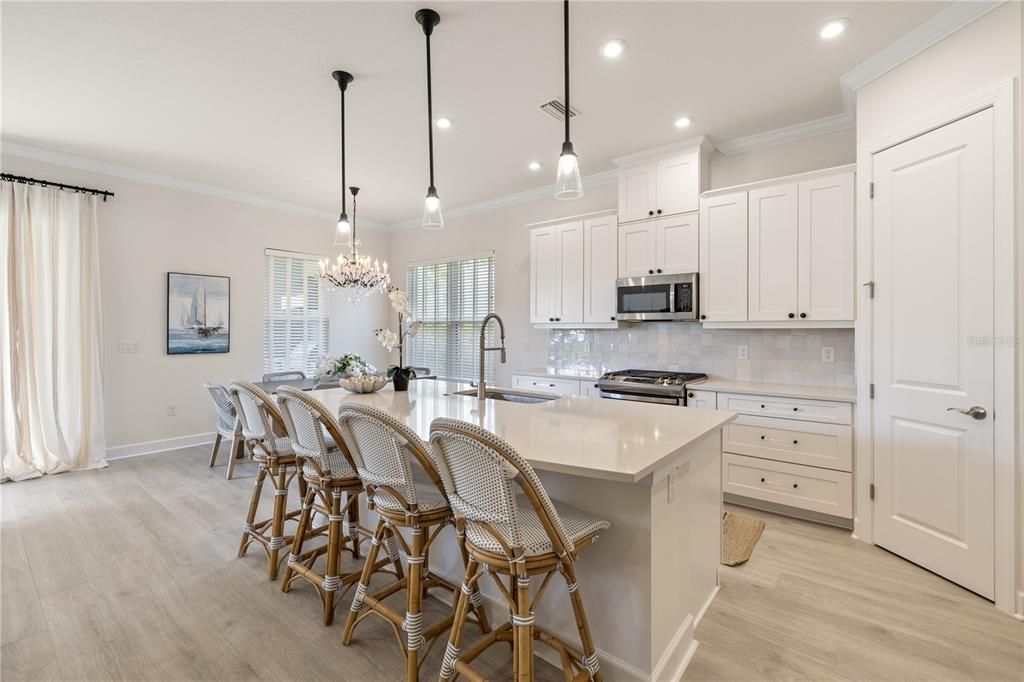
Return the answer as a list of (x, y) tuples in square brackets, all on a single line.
[(58, 185)]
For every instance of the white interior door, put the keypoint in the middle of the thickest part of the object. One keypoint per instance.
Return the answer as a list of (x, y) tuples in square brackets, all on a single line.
[(933, 356)]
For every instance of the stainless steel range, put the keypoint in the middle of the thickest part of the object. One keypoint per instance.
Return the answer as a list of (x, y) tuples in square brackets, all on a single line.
[(648, 386)]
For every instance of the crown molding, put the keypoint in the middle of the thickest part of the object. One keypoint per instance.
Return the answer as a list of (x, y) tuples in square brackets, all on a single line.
[(942, 25), (665, 149), (86, 163), (545, 192), (800, 131)]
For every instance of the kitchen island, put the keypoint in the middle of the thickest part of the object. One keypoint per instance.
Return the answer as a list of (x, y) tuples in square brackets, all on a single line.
[(653, 471)]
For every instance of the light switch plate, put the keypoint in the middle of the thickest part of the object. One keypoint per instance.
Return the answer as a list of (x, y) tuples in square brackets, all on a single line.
[(742, 353), (828, 354)]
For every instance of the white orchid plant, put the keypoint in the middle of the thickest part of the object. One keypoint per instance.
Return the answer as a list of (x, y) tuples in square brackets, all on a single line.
[(407, 328)]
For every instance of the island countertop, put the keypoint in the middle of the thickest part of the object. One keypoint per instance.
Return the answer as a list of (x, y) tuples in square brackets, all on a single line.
[(605, 439)]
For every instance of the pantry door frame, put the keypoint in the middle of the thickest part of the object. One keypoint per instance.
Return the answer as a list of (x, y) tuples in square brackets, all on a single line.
[(1009, 291)]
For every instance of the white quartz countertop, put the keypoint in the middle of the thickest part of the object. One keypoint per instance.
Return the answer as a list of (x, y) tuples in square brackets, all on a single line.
[(578, 374), (605, 439), (846, 395)]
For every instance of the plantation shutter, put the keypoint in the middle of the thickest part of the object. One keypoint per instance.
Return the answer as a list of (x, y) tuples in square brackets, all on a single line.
[(451, 299), (295, 313)]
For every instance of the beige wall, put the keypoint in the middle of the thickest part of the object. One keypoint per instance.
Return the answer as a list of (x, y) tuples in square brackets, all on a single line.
[(823, 151), (977, 57), (146, 231)]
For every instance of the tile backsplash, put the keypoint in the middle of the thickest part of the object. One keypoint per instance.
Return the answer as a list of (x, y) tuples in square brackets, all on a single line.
[(789, 356)]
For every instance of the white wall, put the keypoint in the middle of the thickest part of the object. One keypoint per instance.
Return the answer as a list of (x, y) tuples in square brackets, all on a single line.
[(148, 230), (823, 151), (977, 57)]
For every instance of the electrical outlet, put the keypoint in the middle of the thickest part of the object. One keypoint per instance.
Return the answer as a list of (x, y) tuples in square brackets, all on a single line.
[(172, 410), (828, 354), (742, 353)]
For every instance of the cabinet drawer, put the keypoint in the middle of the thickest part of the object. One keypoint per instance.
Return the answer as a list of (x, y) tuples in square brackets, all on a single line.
[(701, 399), (559, 386), (788, 440), (793, 485), (787, 408)]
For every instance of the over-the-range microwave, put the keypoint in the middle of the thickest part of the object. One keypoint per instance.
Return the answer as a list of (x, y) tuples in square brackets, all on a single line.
[(657, 298)]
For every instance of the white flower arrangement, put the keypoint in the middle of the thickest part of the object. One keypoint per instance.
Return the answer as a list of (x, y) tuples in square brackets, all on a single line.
[(407, 328)]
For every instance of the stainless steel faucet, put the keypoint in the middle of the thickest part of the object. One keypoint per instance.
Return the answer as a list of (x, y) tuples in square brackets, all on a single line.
[(481, 389)]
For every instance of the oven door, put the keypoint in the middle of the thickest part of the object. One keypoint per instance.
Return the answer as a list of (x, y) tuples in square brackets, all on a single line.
[(661, 400), (645, 298)]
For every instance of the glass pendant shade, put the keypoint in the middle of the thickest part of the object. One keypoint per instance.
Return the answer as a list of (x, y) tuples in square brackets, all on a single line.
[(342, 231), (568, 184), (432, 218)]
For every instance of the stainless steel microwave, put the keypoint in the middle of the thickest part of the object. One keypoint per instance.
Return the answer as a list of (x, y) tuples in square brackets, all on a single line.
[(657, 297)]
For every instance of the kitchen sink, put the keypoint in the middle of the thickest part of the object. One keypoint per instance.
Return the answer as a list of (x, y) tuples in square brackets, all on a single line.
[(509, 396)]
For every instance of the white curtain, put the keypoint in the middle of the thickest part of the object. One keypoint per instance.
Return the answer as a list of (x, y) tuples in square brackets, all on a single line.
[(51, 390)]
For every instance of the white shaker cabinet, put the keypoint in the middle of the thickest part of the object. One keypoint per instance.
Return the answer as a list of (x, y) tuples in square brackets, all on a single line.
[(637, 248), (723, 258), (637, 192), (678, 184), (572, 272), (600, 267), (826, 248), (663, 182), (772, 253), (676, 241)]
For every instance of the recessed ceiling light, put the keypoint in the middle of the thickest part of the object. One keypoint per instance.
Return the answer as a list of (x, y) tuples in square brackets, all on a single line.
[(535, 165), (444, 123), (613, 48), (682, 122), (833, 28)]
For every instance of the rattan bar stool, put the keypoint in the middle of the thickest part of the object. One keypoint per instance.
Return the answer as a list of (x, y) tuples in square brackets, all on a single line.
[(228, 426), (264, 429), (383, 450), (512, 529), (330, 477)]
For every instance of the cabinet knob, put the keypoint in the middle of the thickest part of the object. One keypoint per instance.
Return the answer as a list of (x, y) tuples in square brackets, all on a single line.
[(803, 315), (612, 318), (689, 395), (703, 317), (650, 272), (795, 409), (551, 319), (791, 316), (795, 442), (595, 385), (650, 213), (762, 407), (795, 485), (762, 479), (558, 319), (659, 271), (762, 437)]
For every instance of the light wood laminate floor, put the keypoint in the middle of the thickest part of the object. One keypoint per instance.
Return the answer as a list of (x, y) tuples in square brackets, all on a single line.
[(130, 573)]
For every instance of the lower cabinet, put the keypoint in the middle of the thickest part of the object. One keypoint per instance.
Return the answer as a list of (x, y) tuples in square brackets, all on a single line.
[(790, 452), (547, 385)]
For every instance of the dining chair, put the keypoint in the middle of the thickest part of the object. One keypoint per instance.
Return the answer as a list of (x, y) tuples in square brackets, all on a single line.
[(264, 429), (384, 451), (333, 490), (512, 529), (228, 426), (295, 375)]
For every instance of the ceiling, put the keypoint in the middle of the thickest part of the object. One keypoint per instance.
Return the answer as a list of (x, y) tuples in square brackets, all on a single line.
[(240, 96)]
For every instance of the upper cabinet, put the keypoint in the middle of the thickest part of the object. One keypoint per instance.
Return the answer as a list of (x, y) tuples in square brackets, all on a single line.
[(795, 242), (663, 182), (572, 272)]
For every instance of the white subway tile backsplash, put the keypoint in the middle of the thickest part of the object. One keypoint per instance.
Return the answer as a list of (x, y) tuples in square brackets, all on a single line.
[(791, 356)]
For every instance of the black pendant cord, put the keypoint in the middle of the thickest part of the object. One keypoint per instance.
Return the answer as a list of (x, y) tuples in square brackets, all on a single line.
[(343, 202), (430, 114), (566, 36), (59, 185)]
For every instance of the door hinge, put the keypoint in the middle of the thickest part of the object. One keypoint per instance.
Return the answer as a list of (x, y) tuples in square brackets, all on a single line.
[(871, 391), (871, 491), (871, 191)]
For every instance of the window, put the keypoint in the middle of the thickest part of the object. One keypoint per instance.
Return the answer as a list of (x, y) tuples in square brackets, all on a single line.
[(295, 313), (450, 299)]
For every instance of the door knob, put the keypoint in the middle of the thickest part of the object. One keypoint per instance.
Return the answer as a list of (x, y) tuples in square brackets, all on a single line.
[(974, 411)]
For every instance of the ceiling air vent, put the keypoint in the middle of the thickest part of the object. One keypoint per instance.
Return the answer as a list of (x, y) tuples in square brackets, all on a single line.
[(556, 110)]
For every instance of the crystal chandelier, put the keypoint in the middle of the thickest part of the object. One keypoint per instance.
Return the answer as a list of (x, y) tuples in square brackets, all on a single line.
[(357, 275)]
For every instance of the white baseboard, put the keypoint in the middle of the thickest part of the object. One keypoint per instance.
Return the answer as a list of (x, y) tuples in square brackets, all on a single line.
[(707, 605), (678, 654), (152, 446)]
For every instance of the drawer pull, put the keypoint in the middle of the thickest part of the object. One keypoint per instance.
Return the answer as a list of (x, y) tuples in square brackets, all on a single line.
[(795, 442), (762, 407), (795, 409), (762, 479), (762, 437), (795, 485)]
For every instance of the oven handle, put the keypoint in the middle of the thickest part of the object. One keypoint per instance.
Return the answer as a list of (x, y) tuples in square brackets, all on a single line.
[(639, 398)]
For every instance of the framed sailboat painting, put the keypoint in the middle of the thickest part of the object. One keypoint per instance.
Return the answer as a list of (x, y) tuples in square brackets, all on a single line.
[(198, 313)]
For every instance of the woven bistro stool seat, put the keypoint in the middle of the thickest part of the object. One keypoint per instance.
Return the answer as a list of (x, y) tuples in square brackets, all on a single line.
[(513, 530), (384, 450), (333, 490), (263, 427)]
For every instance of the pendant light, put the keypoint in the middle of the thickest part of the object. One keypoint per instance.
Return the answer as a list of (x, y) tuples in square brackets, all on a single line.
[(432, 219), (357, 275), (568, 184), (344, 226)]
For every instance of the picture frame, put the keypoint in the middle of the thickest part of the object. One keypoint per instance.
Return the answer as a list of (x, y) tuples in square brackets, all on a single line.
[(198, 313)]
